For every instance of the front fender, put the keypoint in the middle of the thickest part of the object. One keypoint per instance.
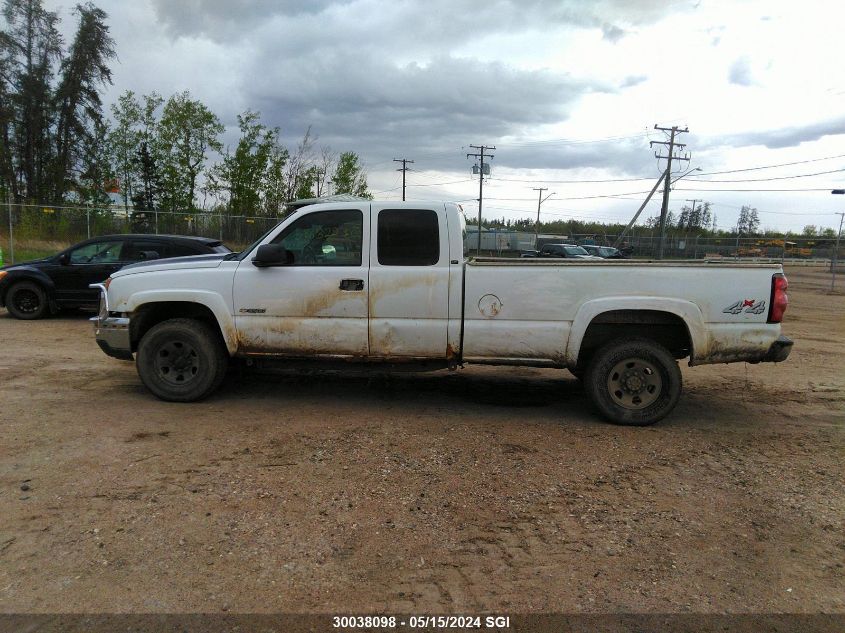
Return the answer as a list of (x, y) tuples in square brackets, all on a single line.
[(26, 273), (211, 300), (686, 310)]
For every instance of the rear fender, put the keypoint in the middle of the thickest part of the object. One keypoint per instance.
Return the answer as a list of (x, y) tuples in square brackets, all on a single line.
[(686, 310)]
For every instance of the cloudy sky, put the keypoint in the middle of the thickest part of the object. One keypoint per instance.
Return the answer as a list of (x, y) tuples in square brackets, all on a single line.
[(567, 90)]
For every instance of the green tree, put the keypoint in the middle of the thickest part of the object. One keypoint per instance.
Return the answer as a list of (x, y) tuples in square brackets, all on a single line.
[(186, 132), (96, 166), (79, 107), (146, 163), (30, 47), (275, 189), (124, 142), (349, 176), (242, 174), (748, 222)]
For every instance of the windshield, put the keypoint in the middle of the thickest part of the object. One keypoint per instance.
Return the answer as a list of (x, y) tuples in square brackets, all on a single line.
[(575, 250), (607, 251)]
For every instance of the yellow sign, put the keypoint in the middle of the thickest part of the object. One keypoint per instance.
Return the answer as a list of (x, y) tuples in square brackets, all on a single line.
[(48, 210)]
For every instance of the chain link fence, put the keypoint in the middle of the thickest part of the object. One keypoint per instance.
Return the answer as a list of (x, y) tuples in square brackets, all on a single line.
[(33, 231), (736, 247)]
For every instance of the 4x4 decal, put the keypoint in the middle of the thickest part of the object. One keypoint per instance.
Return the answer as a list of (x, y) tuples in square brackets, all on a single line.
[(749, 306)]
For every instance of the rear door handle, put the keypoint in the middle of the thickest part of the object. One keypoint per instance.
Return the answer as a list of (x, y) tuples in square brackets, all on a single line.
[(352, 285)]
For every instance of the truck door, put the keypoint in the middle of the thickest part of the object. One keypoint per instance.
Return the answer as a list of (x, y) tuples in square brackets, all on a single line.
[(409, 282), (316, 305)]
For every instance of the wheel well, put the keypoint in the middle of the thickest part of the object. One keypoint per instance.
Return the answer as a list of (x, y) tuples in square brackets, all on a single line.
[(149, 315), (11, 283), (665, 328)]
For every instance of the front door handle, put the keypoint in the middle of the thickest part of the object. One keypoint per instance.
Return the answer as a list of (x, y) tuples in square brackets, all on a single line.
[(352, 285)]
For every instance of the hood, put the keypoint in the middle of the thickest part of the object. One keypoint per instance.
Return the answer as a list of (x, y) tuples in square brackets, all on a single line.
[(32, 262), (173, 263)]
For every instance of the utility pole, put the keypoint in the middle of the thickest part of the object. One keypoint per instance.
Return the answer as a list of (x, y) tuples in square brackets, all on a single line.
[(537, 224), (670, 156), (693, 204), (637, 214), (11, 230), (318, 185), (480, 155), (836, 251), (403, 169), (833, 260), (691, 216)]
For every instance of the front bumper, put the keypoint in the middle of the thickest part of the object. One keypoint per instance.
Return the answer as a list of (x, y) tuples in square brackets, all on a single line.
[(112, 333), (779, 350)]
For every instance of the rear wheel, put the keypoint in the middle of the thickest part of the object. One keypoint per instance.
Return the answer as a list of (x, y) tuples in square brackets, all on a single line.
[(634, 382), (27, 300), (182, 360)]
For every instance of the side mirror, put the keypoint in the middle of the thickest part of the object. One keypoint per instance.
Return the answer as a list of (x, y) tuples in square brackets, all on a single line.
[(271, 255), (145, 255), (64, 259)]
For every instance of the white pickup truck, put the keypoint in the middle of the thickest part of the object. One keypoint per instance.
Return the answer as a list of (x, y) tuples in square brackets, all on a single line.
[(389, 282)]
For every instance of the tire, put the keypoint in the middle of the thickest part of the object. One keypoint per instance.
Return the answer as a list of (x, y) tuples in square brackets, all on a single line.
[(182, 360), (633, 382), (27, 300)]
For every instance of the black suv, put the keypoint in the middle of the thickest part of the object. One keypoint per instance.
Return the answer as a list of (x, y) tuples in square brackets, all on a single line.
[(32, 290)]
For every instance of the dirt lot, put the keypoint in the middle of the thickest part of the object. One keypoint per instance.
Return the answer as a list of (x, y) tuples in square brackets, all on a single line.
[(482, 489)]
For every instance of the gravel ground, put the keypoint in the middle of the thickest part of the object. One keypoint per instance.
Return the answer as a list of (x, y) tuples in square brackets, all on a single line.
[(485, 489)]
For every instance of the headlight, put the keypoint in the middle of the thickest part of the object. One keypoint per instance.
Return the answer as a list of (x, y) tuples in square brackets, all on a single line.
[(3, 273)]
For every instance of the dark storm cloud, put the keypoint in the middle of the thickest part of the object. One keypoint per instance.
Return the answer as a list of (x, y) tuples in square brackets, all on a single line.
[(784, 137), (629, 157), (227, 19), (381, 77), (366, 103)]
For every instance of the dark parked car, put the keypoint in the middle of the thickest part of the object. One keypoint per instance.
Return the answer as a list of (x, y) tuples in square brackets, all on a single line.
[(32, 290), (605, 252), (570, 251)]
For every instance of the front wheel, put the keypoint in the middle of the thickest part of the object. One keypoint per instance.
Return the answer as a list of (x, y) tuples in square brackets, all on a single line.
[(27, 300), (634, 382), (182, 360)]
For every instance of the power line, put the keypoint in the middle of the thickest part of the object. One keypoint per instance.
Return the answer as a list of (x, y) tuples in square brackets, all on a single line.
[(564, 141), (753, 190), (437, 184), (818, 173), (798, 162)]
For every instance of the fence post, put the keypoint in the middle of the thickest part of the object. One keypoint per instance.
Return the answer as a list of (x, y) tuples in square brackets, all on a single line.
[(88, 220), (11, 233)]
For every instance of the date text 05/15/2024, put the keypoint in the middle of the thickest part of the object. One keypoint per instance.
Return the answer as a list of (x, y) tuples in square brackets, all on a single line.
[(498, 622)]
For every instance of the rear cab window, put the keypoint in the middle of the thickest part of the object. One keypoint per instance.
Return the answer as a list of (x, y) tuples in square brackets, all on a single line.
[(408, 237)]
